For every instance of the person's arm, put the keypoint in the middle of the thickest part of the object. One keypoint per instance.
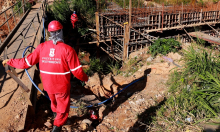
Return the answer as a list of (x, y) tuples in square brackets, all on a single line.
[(76, 67), (26, 62), (4, 62)]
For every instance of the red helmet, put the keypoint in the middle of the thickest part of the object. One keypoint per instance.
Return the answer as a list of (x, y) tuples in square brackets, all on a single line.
[(54, 26)]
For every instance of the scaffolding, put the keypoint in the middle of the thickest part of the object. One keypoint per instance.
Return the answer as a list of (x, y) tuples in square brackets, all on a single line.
[(128, 28)]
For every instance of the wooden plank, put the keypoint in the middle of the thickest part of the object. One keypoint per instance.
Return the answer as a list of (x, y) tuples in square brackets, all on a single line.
[(205, 37), (97, 32), (159, 23), (181, 26)]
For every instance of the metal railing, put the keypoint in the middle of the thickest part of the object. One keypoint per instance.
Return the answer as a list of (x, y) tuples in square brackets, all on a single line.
[(10, 18), (38, 17)]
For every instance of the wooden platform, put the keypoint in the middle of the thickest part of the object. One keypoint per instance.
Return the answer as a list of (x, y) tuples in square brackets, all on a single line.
[(14, 104), (206, 37)]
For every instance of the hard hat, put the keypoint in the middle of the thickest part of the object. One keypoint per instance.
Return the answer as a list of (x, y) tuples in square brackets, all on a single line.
[(54, 26)]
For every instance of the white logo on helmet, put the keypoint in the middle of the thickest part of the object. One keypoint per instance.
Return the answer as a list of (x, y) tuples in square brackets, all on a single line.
[(52, 50)]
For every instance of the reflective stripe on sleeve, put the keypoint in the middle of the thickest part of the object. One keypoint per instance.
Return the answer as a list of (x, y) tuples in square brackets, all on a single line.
[(27, 62), (76, 68), (55, 73)]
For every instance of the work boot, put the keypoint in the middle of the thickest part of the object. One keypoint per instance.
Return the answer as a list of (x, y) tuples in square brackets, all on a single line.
[(56, 129)]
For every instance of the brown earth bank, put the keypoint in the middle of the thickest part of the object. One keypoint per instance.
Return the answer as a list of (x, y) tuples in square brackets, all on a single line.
[(4, 31)]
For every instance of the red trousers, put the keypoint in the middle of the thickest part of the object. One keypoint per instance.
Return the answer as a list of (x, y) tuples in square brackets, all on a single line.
[(60, 103)]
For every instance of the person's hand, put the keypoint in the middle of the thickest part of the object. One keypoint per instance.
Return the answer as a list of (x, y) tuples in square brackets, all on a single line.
[(87, 81), (5, 62)]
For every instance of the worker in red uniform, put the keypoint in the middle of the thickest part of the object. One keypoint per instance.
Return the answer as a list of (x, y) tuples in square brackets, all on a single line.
[(74, 19), (56, 62)]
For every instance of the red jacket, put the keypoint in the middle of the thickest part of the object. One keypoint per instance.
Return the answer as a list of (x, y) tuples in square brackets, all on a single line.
[(56, 62)]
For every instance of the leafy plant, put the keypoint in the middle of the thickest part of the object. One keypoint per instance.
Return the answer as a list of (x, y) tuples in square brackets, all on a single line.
[(200, 41), (61, 11), (95, 65), (164, 46), (16, 8), (82, 31), (114, 67), (215, 1), (28, 6), (85, 10), (130, 67), (193, 92), (199, 61)]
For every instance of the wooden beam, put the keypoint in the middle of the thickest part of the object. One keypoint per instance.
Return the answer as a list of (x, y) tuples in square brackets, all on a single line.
[(109, 54), (142, 34), (212, 28), (130, 8), (181, 26), (126, 41), (23, 4), (187, 33), (112, 50), (93, 42), (112, 20), (98, 33), (205, 37)]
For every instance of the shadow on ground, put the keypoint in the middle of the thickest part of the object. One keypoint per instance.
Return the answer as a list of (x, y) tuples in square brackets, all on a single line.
[(145, 119), (124, 95)]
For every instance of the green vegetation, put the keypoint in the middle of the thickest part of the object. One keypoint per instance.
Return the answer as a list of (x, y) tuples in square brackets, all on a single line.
[(16, 8), (171, 2), (134, 3), (28, 6), (164, 46), (95, 65), (85, 9), (128, 68), (193, 93), (19, 4), (114, 67), (201, 3), (133, 65), (60, 10), (215, 1)]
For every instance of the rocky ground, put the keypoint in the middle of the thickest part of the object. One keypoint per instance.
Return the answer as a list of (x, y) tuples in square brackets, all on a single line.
[(131, 110)]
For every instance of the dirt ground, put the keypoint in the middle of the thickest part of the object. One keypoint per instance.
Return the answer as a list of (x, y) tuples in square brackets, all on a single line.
[(131, 110), (13, 105)]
